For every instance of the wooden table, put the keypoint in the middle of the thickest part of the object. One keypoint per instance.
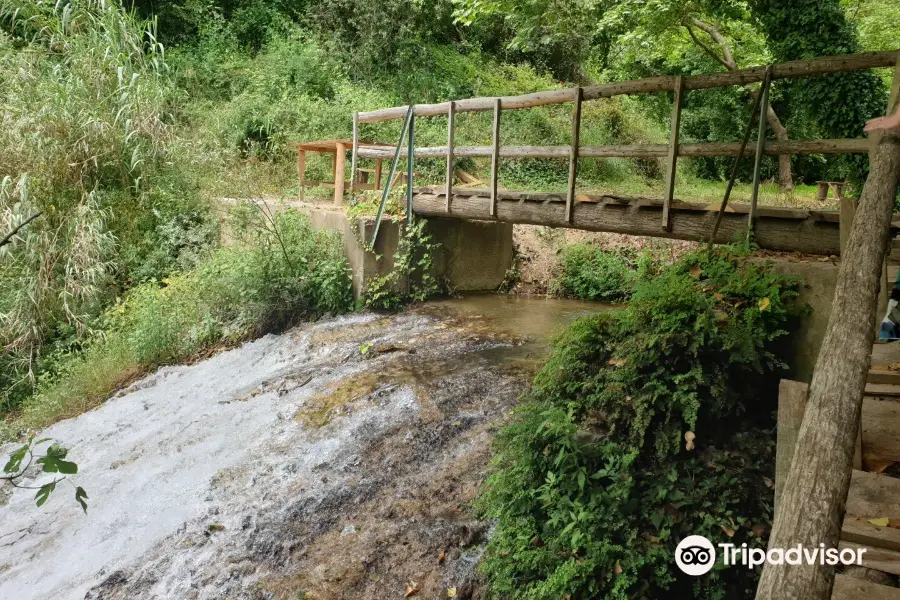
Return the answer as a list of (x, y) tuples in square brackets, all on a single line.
[(338, 148)]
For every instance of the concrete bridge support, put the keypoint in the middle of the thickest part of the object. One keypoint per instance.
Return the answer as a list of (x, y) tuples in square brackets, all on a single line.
[(471, 255)]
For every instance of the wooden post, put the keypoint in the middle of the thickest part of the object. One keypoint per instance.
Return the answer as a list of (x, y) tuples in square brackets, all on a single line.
[(672, 160), (451, 130), (792, 397), (573, 155), (301, 171), (378, 167), (495, 158), (411, 151), (848, 211), (354, 153), (760, 147), (340, 165)]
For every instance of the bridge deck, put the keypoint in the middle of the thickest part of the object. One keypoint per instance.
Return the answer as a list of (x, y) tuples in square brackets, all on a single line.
[(786, 229)]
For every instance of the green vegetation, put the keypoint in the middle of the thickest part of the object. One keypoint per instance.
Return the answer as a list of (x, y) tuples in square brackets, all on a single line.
[(281, 271), (647, 424), (592, 273), (410, 279), (124, 127)]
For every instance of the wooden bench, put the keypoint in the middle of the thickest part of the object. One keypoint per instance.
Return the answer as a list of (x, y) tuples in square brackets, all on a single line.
[(822, 191)]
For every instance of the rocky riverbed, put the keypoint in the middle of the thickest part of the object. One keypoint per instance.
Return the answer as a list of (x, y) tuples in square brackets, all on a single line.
[(337, 460)]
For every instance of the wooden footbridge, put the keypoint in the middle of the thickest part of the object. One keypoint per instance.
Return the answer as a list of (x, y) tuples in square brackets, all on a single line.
[(779, 228)]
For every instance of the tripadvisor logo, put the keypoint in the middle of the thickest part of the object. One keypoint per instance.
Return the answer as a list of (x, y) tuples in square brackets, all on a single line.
[(695, 555)]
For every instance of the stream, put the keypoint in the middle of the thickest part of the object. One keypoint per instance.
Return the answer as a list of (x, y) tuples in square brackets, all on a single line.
[(335, 460)]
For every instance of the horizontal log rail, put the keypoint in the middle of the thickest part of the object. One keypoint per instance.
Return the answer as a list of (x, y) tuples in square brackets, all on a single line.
[(841, 146), (796, 68)]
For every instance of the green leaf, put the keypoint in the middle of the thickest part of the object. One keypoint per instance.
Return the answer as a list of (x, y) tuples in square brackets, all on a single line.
[(15, 460), (80, 497), (44, 492), (66, 467)]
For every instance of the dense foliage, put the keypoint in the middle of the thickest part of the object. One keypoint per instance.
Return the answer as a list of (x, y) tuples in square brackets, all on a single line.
[(646, 425), (123, 127), (589, 272)]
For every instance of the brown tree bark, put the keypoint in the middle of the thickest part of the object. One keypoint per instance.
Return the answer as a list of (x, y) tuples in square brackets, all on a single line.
[(785, 177), (815, 492)]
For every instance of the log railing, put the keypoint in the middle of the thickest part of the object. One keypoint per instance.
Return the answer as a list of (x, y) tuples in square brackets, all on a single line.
[(679, 85)]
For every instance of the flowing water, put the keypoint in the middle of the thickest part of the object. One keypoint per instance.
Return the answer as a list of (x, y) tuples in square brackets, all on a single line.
[(336, 460)]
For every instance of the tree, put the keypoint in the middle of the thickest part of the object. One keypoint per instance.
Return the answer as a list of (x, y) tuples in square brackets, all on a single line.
[(816, 488), (665, 24), (831, 106)]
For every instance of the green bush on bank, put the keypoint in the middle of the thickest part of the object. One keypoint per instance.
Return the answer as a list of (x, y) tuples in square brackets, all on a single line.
[(591, 273), (594, 481), (282, 270)]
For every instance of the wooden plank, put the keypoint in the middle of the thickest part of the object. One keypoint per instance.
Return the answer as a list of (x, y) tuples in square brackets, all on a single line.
[(882, 389), (884, 377), (672, 160), (887, 561), (873, 496), (880, 434), (378, 168), (848, 212), (354, 152), (301, 172), (451, 131), (790, 234), (495, 158), (573, 154), (861, 531), (792, 396), (340, 161), (849, 588), (772, 148), (797, 68)]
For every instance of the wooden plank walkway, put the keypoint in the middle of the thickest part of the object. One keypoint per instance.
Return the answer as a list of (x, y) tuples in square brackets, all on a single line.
[(873, 496)]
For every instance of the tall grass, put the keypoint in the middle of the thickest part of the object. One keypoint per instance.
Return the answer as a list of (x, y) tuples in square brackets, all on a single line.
[(85, 92), (278, 270)]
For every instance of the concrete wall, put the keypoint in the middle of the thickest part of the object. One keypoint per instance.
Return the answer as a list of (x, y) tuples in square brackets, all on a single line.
[(471, 255), (817, 290)]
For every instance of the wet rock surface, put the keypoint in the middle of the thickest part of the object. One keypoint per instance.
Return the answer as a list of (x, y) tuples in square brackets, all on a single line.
[(337, 460)]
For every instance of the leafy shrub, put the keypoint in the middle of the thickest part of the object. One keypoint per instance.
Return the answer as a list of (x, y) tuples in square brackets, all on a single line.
[(281, 271), (593, 484), (592, 273), (411, 278)]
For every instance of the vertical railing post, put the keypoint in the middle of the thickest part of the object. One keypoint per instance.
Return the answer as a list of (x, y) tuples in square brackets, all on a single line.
[(301, 171), (340, 162), (760, 148), (672, 159), (411, 144), (495, 158), (573, 154), (451, 130), (390, 179), (354, 153)]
